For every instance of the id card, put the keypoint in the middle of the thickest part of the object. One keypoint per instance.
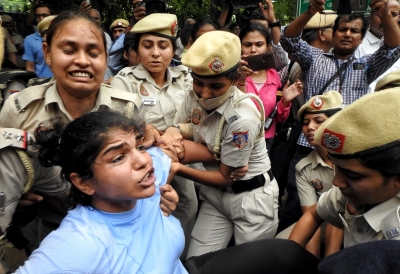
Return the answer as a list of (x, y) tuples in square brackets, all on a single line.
[(149, 101)]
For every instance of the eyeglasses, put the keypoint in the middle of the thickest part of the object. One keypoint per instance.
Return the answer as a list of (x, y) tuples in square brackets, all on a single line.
[(44, 15)]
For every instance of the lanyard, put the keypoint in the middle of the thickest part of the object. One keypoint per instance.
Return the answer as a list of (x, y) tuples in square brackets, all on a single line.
[(340, 71)]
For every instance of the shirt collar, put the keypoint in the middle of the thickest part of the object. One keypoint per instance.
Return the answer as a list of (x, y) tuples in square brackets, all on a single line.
[(142, 73), (52, 96), (375, 215), (372, 39), (317, 160)]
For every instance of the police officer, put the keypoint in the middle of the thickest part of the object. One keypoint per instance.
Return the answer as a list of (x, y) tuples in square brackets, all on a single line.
[(77, 87), (162, 89), (229, 124), (363, 144), (314, 173)]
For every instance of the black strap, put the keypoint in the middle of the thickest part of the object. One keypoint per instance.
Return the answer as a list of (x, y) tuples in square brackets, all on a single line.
[(342, 68)]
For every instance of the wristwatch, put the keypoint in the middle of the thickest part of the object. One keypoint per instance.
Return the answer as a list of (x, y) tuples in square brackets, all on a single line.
[(274, 24), (176, 126)]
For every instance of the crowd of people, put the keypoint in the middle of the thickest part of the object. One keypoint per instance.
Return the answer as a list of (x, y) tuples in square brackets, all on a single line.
[(149, 149)]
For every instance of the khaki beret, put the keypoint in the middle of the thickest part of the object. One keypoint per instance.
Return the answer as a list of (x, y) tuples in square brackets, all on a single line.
[(159, 24), (213, 54), (330, 100), (45, 23), (6, 18), (368, 125), (320, 21), (390, 80), (119, 23)]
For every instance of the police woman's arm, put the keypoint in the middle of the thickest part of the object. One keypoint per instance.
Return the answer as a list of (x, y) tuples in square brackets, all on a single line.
[(306, 226)]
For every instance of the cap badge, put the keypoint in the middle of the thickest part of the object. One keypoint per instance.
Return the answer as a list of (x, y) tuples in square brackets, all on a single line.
[(317, 103), (119, 23), (317, 184), (174, 28), (216, 65), (333, 140)]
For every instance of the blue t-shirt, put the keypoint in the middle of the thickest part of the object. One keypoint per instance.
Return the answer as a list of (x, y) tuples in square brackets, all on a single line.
[(33, 52), (141, 240)]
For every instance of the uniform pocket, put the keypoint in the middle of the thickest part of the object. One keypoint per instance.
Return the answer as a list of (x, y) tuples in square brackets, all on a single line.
[(258, 205)]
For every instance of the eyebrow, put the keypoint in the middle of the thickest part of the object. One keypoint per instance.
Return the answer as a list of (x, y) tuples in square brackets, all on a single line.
[(115, 147), (73, 43)]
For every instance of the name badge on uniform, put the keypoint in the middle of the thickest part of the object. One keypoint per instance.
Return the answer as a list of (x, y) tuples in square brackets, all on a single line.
[(149, 101), (358, 66)]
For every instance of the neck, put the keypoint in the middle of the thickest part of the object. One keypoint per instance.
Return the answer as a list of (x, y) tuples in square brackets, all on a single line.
[(342, 56), (261, 76), (159, 78), (77, 106), (324, 155)]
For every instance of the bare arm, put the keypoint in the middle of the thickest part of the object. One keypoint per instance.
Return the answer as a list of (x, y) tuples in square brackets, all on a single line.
[(269, 15), (213, 178), (224, 13), (30, 66), (391, 31), (297, 25), (306, 226)]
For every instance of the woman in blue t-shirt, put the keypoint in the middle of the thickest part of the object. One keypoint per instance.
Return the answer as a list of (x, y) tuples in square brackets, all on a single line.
[(115, 224)]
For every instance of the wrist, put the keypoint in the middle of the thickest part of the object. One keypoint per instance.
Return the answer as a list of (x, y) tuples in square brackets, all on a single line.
[(177, 126), (274, 24)]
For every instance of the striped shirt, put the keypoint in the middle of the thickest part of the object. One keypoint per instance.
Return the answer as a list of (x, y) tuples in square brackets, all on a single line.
[(318, 67)]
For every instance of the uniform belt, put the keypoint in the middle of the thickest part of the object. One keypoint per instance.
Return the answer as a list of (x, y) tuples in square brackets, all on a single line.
[(253, 183)]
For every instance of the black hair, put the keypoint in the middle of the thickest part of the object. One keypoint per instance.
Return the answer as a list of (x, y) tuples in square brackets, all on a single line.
[(185, 35), (310, 35), (386, 161), (351, 17), (201, 22), (255, 26), (329, 113), (233, 25), (129, 41), (42, 5), (66, 16), (74, 147), (137, 42), (257, 16)]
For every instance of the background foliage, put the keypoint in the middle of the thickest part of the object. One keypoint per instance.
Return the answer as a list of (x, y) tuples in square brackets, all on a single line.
[(110, 10)]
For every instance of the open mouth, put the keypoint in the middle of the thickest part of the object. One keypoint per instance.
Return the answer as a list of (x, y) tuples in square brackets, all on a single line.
[(81, 74), (148, 179)]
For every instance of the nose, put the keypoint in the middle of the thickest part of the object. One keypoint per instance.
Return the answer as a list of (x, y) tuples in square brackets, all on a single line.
[(312, 126), (139, 160), (339, 179), (81, 59), (205, 93), (156, 52), (253, 49)]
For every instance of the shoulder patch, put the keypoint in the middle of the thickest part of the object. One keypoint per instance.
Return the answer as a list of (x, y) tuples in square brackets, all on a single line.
[(11, 137), (240, 139), (23, 98)]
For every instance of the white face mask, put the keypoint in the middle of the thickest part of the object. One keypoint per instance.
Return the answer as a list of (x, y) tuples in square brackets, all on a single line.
[(213, 103)]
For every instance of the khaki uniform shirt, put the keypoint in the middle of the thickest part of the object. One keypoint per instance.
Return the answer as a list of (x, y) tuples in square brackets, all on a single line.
[(361, 226), (34, 105), (313, 177), (239, 134), (10, 46), (159, 105), (14, 175)]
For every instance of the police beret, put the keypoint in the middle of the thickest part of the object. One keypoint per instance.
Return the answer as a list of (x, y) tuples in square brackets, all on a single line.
[(390, 80), (320, 21), (6, 18), (159, 24), (331, 100), (45, 23), (213, 54), (119, 23), (368, 125)]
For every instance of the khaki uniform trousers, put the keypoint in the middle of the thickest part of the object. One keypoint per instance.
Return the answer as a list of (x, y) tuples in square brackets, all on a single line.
[(249, 216)]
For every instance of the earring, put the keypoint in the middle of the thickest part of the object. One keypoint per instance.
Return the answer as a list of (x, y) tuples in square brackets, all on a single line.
[(48, 61)]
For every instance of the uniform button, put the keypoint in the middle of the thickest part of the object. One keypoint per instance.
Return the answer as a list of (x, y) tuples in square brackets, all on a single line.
[(268, 191), (359, 230)]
